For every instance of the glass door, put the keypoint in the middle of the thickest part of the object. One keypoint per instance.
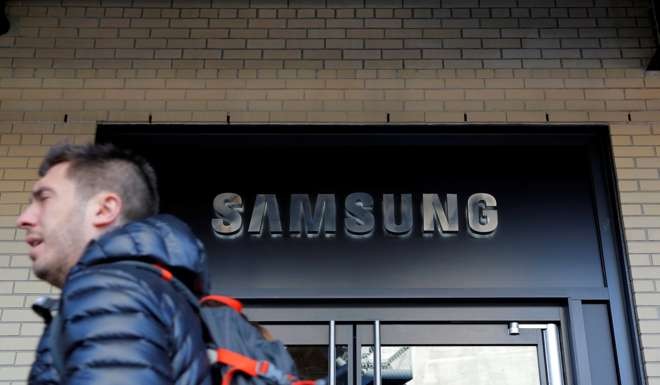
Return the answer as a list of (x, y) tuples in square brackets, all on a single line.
[(309, 345), (422, 353), (450, 354)]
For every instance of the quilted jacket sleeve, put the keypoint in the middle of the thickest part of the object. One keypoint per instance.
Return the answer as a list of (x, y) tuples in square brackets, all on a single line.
[(114, 331)]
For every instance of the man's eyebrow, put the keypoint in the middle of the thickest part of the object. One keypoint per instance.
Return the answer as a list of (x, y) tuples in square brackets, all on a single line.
[(39, 192)]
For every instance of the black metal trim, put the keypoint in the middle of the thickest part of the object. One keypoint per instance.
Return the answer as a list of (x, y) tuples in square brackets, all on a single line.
[(4, 21), (654, 64)]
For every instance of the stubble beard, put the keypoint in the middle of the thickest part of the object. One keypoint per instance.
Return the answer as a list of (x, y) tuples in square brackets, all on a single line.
[(68, 243)]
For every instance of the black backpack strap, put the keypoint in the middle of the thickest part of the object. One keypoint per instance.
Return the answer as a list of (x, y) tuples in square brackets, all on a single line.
[(165, 275)]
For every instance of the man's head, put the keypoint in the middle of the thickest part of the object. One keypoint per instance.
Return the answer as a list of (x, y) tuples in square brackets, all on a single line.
[(83, 192)]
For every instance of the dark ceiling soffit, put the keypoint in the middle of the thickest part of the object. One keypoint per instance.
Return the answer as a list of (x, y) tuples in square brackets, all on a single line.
[(654, 64), (4, 21)]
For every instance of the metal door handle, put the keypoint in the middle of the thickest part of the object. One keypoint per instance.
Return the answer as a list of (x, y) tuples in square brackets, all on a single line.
[(377, 375), (332, 370)]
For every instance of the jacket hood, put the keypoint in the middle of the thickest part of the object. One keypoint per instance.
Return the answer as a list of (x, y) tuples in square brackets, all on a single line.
[(161, 239)]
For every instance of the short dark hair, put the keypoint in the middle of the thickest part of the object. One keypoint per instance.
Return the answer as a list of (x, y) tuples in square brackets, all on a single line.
[(104, 167)]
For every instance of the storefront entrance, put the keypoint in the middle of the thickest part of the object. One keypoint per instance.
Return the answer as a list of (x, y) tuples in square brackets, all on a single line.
[(487, 254), (448, 345)]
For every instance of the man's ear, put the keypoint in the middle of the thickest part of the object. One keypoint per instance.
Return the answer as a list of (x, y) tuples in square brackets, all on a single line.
[(106, 210)]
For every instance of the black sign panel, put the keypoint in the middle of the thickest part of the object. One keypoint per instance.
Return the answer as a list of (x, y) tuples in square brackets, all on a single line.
[(547, 234)]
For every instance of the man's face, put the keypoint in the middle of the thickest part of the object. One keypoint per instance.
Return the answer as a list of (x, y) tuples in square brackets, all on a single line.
[(56, 225)]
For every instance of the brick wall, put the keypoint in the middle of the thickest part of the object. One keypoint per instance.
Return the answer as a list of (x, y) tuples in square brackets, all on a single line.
[(67, 64)]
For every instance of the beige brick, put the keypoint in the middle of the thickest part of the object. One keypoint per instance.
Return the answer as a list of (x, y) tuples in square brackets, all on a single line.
[(624, 162), (305, 84), (598, 116), (246, 94), (32, 329), (645, 116), (22, 105), (634, 151), (342, 105), (445, 94), (326, 116), (63, 83), (172, 116), (18, 315), (642, 94), (443, 117), (9, 274), (10, 139), (650, 185), (604, 94), (629, 129), (564, 94), (205, 94), (32, 287), (324, 94), (104, 83), (228, 105), (637, 174), (641, 222), (124, 94), (7, 358), (505, 83), (624, 105), (366, 117), (461, 105), (464, 83), (524, 94), (41, 94), (307, 105), (385, 83), (128, 116), (11, 301), (425, 83), (15, 197), (545, 105), (561, 116), (426, 105), (484, 94), (6, 186), (285, 94), (639, 259), (12, 163), (209, 116), (648, 162), (186, 105), (486, 116)]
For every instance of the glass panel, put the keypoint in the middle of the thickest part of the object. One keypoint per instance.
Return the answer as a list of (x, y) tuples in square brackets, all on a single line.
[(312, 361), (453, 365)]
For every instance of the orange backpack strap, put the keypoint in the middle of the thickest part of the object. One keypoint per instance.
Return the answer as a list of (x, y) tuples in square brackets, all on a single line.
[(224, 300), (240, 363)]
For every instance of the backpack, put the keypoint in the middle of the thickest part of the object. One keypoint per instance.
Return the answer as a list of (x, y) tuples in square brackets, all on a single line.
[(238, 350)]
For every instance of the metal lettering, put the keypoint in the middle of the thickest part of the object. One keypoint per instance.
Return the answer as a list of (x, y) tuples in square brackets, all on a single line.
[(228, 208), (359, 219), (482, 214), (404, 227), (439, 216), (303, 223), (265, 209)]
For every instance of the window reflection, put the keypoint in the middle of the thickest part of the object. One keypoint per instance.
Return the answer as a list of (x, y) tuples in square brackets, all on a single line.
[(312, 361), (453, 365)]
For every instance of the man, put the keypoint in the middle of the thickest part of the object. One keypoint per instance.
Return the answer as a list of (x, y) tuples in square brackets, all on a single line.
[(94, 207)]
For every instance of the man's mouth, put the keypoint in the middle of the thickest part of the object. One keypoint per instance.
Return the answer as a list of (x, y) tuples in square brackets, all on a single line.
[(34, 241)]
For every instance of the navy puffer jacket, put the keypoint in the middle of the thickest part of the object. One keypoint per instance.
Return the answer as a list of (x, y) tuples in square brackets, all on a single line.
[(125, 325)]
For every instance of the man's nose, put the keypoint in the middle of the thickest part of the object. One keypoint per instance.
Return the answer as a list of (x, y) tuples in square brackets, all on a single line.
[(27, 218)]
